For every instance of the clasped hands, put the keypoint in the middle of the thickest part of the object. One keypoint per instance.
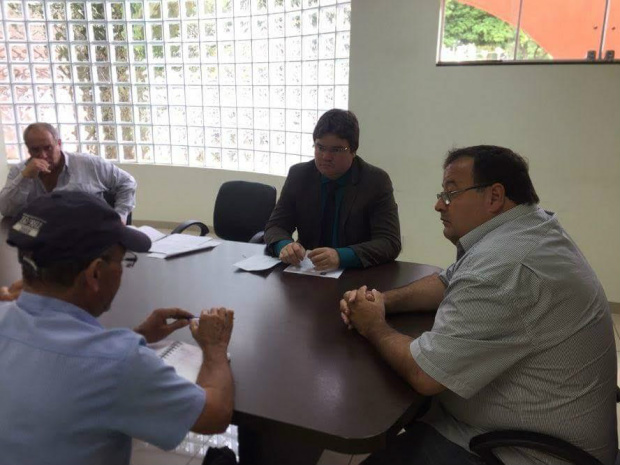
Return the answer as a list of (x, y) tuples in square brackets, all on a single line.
[(362, 309), (323, 258)]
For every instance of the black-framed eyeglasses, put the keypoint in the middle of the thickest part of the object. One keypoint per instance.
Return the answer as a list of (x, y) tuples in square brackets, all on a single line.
[(129, 260), (446, 197), (325, 149)]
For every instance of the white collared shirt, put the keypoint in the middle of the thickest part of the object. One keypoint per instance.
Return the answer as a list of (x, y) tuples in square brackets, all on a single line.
[(81, 172)]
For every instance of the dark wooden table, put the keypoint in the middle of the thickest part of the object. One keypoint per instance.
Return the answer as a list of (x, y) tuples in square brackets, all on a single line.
[(304, 382)]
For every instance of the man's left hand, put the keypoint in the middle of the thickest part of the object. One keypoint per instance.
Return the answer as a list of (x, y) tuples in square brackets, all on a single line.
[(155, 327), (324, 258), (363, 309)]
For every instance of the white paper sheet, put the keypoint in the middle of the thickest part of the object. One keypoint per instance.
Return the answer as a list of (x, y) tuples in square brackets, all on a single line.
[(176, 244), (306, 267), (257, 263), (153, 233)]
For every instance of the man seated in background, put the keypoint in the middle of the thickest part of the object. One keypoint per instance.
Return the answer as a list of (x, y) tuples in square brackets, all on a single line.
[(49, 169), (73, 392), (523, 336), (342, 207)]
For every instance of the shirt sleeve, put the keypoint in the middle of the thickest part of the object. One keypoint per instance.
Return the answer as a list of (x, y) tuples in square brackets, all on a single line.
[(478, 334), (283, 220), (278, 246), (384, 244), (446, 275), (14, 194), (121, 185), (348, 258), (154, 404)]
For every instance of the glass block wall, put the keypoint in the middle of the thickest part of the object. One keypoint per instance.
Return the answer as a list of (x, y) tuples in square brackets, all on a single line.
[(233, 84)]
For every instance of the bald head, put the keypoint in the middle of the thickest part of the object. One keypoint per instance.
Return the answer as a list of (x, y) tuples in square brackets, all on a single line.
[(41, 127)]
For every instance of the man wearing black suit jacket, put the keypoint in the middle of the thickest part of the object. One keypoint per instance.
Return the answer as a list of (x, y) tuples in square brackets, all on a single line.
[(342, 207)]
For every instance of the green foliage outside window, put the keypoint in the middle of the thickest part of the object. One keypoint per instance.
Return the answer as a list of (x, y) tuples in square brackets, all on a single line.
[(465, 25)]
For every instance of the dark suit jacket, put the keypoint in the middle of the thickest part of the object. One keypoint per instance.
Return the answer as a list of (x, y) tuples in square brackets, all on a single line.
[(368, 218)]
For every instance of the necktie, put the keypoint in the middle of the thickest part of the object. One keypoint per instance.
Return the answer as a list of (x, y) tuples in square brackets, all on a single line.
[(329, 214)]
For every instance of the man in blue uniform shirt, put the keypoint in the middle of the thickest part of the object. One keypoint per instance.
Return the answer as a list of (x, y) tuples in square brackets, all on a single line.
[(73, 392)]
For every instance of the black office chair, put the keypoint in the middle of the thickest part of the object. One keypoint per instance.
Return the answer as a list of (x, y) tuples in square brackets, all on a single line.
[(204, 229), (111, 200), (242, 210), (484, 445)]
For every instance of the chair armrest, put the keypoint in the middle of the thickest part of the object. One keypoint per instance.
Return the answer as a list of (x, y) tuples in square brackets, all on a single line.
[(204, 230), (484, 444), (258, 238)]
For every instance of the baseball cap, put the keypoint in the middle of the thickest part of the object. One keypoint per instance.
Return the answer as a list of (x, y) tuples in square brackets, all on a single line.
[(71, 225)]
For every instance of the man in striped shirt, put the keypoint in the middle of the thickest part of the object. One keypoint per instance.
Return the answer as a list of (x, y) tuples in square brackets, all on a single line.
[(523, 337)]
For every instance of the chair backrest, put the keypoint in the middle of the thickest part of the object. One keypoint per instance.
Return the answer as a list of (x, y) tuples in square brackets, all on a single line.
[(111, 200), (242, 209)]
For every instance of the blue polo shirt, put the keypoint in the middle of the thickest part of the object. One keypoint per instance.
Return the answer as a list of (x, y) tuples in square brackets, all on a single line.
[(72, 392)]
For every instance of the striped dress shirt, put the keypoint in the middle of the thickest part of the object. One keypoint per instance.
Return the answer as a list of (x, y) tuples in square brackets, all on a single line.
[(523, 339)]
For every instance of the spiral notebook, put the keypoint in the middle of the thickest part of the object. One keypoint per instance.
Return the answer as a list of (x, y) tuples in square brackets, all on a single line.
[(185, 358)]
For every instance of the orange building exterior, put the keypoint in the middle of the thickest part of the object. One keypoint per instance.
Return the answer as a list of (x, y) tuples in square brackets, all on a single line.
[(566, 29)]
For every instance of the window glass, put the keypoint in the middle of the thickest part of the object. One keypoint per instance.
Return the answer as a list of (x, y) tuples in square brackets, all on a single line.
[(233, 84), (528, 30)]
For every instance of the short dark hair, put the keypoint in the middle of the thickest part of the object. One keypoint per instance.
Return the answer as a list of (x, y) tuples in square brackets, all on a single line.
[(48, 127), (60, 275), (498, 164), (342, 123)]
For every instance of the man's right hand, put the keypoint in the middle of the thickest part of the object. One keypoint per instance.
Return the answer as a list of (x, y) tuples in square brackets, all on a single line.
[(212, 333), (34, 167), (292, 253), (362, 311), (349, 297), (213, 329)]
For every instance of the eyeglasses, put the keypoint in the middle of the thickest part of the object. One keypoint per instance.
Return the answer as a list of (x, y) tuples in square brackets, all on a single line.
[(447, 196), (336, 150), (129, 260)]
